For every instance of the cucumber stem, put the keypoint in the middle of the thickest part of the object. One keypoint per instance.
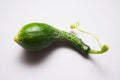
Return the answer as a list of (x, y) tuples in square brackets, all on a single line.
[(103, 48)]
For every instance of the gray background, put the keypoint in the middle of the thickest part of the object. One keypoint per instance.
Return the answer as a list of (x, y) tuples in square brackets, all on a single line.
[(61, 61)]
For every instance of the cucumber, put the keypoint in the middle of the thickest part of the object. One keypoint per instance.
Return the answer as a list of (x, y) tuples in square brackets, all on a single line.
[(37, 36)]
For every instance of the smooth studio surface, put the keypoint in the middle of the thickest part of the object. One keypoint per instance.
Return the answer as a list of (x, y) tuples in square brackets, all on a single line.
[(61, 61)]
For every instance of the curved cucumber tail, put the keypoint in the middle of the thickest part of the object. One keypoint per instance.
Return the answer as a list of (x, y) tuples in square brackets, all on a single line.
[(103, 48), (75, 41)]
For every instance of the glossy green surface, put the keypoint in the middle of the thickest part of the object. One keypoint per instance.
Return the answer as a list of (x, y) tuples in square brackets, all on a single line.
[(37, 36)]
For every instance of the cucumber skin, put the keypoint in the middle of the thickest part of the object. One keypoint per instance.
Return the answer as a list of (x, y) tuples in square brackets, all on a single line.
[(37, 36)]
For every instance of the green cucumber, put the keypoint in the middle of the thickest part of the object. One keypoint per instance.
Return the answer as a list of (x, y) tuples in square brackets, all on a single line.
[(37, 36)]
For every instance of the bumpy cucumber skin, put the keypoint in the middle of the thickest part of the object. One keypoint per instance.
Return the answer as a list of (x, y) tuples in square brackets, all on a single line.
[(75, 41), (37, 36)]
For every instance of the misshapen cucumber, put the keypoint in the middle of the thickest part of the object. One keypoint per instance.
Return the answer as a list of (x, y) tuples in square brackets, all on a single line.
[(37, 36)]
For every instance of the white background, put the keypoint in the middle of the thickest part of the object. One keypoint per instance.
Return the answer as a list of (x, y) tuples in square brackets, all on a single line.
[(61, 61)]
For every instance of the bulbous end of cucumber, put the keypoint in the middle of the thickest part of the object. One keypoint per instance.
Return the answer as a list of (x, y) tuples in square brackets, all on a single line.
[(35, 36)]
